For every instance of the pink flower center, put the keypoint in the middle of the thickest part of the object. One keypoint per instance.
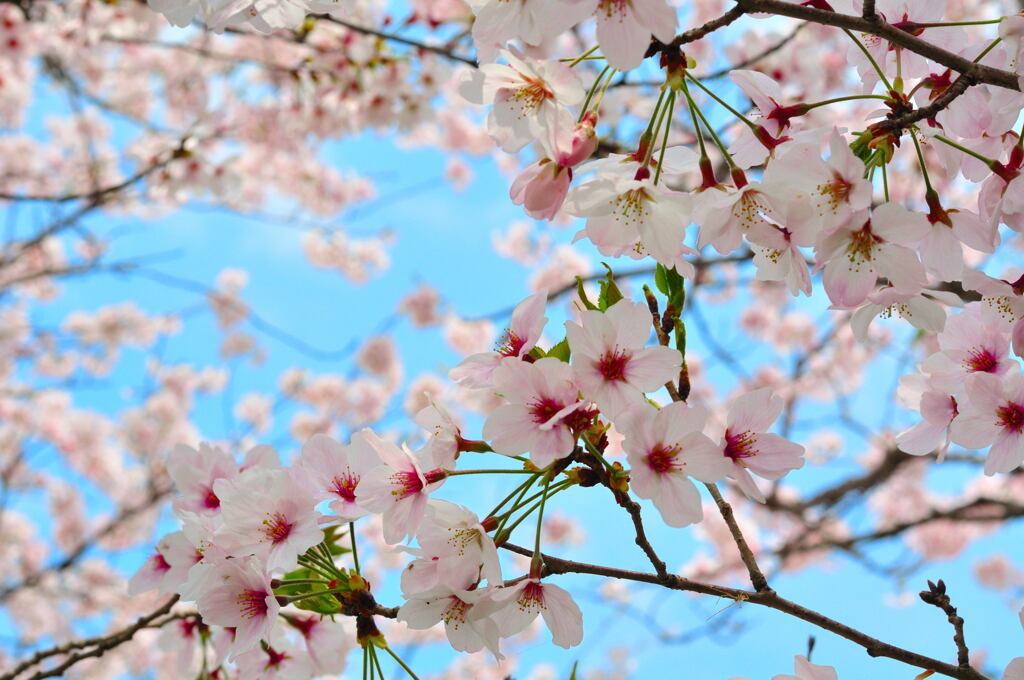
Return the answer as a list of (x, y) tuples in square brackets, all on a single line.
[(532, 93), (277, 528), (160, 563), (613, 8), (252, 604), (662, 458), (544, 409), (510, 344), (345, 486), (210, 500), (862, 244), (188, 627), (981, 360), (740, 445), (836, 192), (405, 483), (532, 597), (304, 625), (612, 365), (274, 658), (1011, 417), (455, 614)]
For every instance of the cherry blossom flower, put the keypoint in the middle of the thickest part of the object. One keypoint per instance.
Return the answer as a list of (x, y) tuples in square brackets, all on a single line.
[(630, 215), (870, 245), (266, 514), (524, 330), (750, 448), (921, 311), (398, 489), (529, 97), (327, 643), (610, 360), (514, 608), (938, 409), (1011, 30), (1005, 299), (974, 341), (194, 473), (167, 569), (993, 416), (836, 188), (466, 631), (777, 246), (446, 440), (455, 550), (624, 29), (940, 249), (240, 598), (533, 21), (332, 471), (665, 448), (726, 214), (544, 414), (277, 661)]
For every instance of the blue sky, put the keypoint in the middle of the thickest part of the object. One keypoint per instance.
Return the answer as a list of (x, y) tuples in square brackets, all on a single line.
[(443, 237)]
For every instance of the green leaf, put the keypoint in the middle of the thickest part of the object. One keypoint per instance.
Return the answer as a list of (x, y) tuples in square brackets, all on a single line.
[(572, 676), (676, 285), (321, 604), (583, 294), (661, 280), (336, 540), (561, 351), (681, 338), (610, 293)]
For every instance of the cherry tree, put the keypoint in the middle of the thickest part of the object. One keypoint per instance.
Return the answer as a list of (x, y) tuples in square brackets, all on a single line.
[(809, 306)]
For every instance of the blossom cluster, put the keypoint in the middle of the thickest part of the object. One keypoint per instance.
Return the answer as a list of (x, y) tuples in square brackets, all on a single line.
[(259, 539), (900, 199)]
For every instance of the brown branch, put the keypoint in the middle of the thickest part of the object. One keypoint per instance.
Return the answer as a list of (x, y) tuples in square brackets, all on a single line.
[(101, 645), (936, 596), (883, 29), (767, 598), (757, 578), (391, 37), (941, 102)]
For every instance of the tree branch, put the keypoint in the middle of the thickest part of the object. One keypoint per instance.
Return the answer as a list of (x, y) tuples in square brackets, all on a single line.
[(101, 645), (767, 598), (883, 29), (936, 596)]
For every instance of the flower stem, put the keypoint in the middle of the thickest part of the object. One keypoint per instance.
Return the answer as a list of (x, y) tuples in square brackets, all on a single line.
[(401, 663), (376, 661), (590, 93), (499, 506), (499, 471), (695, 110), (984, 159), (924, 166), (943, 24), (984, 52), (540, 515), (746, 121), (852, 97), (355, 552), (864, 50), (885, 181), (585, 55), (671, 107)]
